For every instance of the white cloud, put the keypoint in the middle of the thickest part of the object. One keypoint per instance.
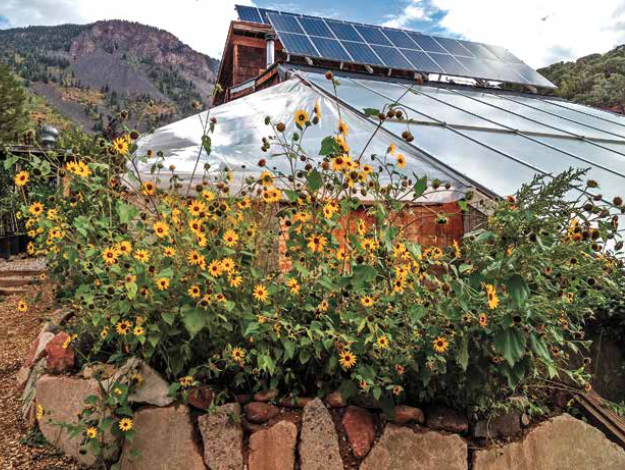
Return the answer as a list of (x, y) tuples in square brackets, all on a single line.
[(202, 24), (415, 10), (539, 32)]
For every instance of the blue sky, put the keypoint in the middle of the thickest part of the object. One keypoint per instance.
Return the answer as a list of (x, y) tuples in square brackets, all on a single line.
[(538, 31)]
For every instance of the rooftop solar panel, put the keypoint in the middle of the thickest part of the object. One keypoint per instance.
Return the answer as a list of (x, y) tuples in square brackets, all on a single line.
[(344, 41)]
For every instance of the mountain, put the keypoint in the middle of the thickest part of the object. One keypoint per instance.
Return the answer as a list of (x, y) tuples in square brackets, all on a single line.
[(88, 73), (597, 80)]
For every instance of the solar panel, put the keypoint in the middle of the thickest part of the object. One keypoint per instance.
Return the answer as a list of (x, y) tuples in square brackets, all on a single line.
[(285, 23), (373, 35), (345, 41), (331, 49), (316, 27), (362, 53), (344, 31)]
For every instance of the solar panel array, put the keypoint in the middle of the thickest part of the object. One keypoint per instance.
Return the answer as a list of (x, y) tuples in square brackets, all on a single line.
[(344, 41)]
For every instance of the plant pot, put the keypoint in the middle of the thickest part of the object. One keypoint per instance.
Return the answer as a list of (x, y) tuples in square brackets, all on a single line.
[(5, 248)]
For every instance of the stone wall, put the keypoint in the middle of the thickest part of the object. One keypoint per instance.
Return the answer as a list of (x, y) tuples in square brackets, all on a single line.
[(268, 432)]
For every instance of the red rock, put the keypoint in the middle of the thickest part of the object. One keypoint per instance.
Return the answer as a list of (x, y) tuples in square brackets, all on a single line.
[(360, 430), (265, 396), (335, 400), (164, 439), (296, 402), (273, 448), (201, 397), (38, 348), (405, 414), (259, 412), (59, 359)]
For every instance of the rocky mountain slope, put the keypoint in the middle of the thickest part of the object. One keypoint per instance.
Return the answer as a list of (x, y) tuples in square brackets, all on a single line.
[(90, 72)]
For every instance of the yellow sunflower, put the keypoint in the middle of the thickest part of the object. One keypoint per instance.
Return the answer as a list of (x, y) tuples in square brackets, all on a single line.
[(142, 255), (161, 229), (194, 291), (125, 424), (491, 293), (148, 188), (138, 331), (382, 342), (36, 209), (401, 161), (169, 251), (21, 178), (301, 118), (367, 301), (230, 238), (238, 355), (347, 360), (22, 306), (120, 146), (440, 344), (123, 327), (260, 293), (91, 433), (162, 283), (343, 128), (317, 243), (110, 255)]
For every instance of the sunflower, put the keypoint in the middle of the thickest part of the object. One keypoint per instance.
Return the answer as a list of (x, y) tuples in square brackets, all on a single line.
[(21, 178), (110, 255), (124, 248), (82, 170), (301, 118), (238, 355), (347, 360), (317, 109), (125, 424), (215, 269), (138, 331), (401, 161), (271, 195), (196, 208), (36, 209), (186, 381), (195, 258), (382, 342), (244, 203), (235, 281), (343, 128), (440, 344), (293, 285), (392, 149), (120, 146), (317, 243), (161, 229), (340, 140), (22, 306), (194, 291), (148, 188), (123, 327), (227, 265), (483, 320), (367, 301), (208, 195), (195, 225), (39, 411), (491, 292), (142, 255), (91, 433), (230, 238), (324, 305), (169, 251), (260, 293), (266, 179), (104, 332), (162, 283)]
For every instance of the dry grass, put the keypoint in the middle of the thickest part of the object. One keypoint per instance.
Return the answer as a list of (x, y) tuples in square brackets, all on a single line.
[(17, 332)]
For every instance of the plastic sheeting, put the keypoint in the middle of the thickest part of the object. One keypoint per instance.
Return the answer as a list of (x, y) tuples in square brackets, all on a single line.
[(499, 140), (236, 142)]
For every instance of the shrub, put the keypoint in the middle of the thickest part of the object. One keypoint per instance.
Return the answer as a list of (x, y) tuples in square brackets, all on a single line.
[(196, 285)]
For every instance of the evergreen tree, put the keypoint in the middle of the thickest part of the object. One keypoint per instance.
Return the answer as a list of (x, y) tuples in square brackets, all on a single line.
[(13, 115)]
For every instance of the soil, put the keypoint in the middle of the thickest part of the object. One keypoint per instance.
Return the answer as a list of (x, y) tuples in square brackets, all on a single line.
[(17, 332)]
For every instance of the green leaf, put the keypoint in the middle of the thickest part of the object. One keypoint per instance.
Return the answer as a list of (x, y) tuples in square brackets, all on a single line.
[(206, 143), (518, 289), (363, 274), (10, 162), (329, 147), (539, 347), (371, 112), (126, 212), (289, 349), (314, 180), (463, 353), (513, 374), (194, 320), (420, 186), (510, 343)]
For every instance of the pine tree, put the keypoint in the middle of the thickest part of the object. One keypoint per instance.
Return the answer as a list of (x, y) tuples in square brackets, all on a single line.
[(13, 115)]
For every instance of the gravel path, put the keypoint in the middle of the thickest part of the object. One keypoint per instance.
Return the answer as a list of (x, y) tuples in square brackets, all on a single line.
[(17, 331)]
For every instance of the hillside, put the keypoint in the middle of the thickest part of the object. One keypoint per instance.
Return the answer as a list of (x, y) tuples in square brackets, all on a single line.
[(88, 73), (596, 80)]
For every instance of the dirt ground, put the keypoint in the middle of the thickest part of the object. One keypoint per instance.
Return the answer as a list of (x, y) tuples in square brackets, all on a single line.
[(17, 332)]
